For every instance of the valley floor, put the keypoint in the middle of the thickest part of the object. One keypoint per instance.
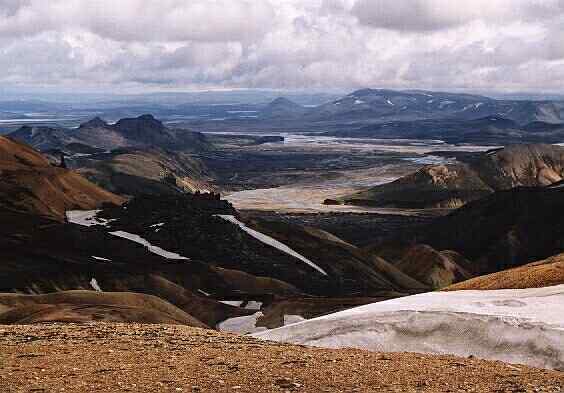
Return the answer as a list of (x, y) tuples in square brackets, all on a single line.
[(155, 358)]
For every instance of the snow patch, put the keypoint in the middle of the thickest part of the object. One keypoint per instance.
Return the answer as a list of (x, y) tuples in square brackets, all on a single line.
[(271, 242), (359, 102), (252, 305), (86, 218), (232, 303), (95, 286), (101, 259), (390, 103), (516, 326), (291, 319), (154, 249), (446, 103), (242, 325), (429, 160)]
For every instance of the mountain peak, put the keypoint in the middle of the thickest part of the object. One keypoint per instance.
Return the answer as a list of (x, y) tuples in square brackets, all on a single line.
[(146, 117), (141, 124), (283, 101), (96, 122), (282, 107)]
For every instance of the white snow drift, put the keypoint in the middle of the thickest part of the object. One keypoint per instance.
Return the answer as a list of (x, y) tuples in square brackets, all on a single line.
[(517, 326), (271, 242), (242, 325), (154, 249), (86, 218)]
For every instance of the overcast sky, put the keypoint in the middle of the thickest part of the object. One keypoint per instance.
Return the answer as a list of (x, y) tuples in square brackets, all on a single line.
[(289, 44)]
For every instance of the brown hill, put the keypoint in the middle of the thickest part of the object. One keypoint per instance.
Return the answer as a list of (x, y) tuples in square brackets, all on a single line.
[(453, 185), (544, 273), (30, 184), (435, 186), (88, 306), (150, 171), (431, 267)]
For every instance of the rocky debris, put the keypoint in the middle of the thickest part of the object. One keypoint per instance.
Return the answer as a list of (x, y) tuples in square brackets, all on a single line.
[(107, 358)]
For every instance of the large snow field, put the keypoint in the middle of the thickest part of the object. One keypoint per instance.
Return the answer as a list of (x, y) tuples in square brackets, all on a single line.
[(523, 326)]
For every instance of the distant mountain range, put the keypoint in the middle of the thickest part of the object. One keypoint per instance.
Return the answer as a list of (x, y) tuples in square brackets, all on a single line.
[(492, 130), (453, 118), (360, 108), (377, 104)]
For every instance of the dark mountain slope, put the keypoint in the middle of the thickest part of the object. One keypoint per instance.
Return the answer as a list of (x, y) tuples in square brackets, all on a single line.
[(355, 271), (43, 256), (504, 230), (191, 232)]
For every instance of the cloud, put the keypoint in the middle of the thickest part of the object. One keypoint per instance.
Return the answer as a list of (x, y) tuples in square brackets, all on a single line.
[(429, 15), (141, 20), (487, 44), (10, 7)]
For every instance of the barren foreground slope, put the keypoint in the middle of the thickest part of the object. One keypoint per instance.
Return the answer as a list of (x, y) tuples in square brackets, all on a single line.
[(534, 275), (161, 358)]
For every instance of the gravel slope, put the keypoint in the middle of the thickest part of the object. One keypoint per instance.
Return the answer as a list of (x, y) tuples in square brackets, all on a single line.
[(164, 358)]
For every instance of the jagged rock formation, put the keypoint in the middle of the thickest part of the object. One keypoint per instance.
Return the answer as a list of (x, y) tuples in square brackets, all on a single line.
[(142, 131)]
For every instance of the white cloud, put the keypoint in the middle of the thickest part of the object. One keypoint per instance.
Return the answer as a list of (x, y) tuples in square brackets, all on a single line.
[(427, 15), (443, 44), (141, 20)]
